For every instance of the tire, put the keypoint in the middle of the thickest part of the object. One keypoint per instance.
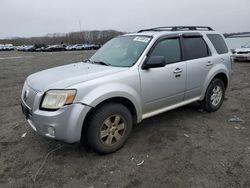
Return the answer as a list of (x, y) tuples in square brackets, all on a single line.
[(214, 95), (109, 128)]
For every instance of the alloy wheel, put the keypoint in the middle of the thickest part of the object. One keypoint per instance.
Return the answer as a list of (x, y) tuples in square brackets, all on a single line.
[(112, 130)]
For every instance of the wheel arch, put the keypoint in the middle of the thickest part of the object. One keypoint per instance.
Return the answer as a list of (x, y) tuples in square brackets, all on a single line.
[(124, 101), (120, 100), (223, 77), (221, 74)]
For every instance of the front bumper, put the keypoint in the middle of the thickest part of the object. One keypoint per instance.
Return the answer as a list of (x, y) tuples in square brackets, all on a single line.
[(242, 57), (64, 124)]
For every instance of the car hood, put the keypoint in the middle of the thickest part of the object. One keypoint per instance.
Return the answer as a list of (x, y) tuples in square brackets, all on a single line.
[(68, 75), (242, 50)]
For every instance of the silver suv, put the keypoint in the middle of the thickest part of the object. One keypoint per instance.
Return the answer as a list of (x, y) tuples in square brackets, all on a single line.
[(131, 78)]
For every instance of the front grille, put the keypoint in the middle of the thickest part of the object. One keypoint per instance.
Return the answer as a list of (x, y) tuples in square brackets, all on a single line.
[(28, 95), (26, 111), (243, 52)]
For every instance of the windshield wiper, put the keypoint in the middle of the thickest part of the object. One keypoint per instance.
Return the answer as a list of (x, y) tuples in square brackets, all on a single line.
[(86, 61), (101, 63), (96, 62)]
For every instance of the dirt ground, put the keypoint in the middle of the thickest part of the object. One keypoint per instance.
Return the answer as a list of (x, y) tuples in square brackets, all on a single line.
[(186, 147)]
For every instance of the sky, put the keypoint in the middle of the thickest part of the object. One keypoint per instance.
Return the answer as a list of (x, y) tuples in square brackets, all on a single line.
[(27, 18)]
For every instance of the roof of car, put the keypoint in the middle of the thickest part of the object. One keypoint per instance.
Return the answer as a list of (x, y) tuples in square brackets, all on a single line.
[(159, 31)]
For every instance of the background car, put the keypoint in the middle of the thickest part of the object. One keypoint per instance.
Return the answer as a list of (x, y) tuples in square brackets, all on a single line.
[(6, 47), (40, 47), (1, 47), (79, 47), (20, 48), (242, 53), (82, 47), (94, 46), (90, 47), (55, 48), (70, 47), (29, 48)]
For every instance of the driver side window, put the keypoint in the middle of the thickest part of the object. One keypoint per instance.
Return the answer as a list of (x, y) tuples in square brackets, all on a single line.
[(168, 48)]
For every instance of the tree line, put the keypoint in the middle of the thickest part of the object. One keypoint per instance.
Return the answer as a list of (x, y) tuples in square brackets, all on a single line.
[(235, 34), (81, 37)]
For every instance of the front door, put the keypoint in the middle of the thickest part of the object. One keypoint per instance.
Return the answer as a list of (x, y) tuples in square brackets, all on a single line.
[(165, 86)]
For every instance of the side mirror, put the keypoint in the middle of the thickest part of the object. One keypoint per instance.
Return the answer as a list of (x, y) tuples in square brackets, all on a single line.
[(154, 62)]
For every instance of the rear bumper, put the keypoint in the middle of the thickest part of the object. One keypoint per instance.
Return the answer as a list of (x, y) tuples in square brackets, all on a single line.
[(64, 124)]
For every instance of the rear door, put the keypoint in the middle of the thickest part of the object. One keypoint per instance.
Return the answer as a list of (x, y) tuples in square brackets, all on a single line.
[(199, 62), (164, 86)]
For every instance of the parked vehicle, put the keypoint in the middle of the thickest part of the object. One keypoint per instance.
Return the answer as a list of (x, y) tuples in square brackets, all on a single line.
[(1, 47), (6, 47), (9, 47), (79, 47), (90, 47), (29, 48), (20, 48), (243, 53), (70, 47), (55, 48), (94, 47), (131, 78), (82, 47), (26, 48)]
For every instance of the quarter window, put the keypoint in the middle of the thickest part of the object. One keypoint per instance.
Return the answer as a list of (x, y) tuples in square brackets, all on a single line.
[(170, 49), (195, 48), (218, 42)]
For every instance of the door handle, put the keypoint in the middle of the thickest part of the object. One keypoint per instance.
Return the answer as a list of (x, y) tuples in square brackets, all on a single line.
[(177, 71), (209, 63)]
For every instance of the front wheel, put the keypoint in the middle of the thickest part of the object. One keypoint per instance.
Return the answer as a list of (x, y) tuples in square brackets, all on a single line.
[(214, 95), (109, 127)]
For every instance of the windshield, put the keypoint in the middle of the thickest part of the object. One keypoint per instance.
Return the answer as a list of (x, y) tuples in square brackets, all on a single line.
[(122, 51), (247, 45)]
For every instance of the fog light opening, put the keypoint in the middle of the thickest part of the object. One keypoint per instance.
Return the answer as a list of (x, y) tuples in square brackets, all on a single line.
[(51, 132)]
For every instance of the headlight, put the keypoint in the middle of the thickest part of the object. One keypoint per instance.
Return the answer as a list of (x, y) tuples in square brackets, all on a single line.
[(55, 99)]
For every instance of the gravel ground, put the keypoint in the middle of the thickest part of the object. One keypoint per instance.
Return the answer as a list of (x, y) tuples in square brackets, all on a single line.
[(186, 147)]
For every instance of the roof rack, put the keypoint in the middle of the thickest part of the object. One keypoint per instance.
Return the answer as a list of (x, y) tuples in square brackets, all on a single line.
[(177, 28)]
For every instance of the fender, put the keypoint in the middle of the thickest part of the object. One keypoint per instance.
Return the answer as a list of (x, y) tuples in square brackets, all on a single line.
[(111, 90), (216, 69)]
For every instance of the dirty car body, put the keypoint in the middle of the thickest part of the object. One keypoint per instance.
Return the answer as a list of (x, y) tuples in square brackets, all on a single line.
[(136, 74)]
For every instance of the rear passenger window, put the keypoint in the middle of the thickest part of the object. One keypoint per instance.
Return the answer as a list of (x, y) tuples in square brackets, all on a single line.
[(218, 42), (170, 49), (195, 48)]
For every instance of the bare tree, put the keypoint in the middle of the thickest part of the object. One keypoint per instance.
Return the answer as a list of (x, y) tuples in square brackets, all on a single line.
[(89, 37)]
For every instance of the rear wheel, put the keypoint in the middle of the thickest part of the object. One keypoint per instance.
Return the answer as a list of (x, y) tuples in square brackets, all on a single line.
[(214, 95), (109, 128)]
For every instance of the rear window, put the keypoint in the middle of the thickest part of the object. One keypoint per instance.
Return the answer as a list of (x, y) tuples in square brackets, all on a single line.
[(218, 42), (195, 48)]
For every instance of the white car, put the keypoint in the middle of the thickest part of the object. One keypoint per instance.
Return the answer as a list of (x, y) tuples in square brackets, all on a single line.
[(242, 53), (6, 47), (1, 47), (71, 47)]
